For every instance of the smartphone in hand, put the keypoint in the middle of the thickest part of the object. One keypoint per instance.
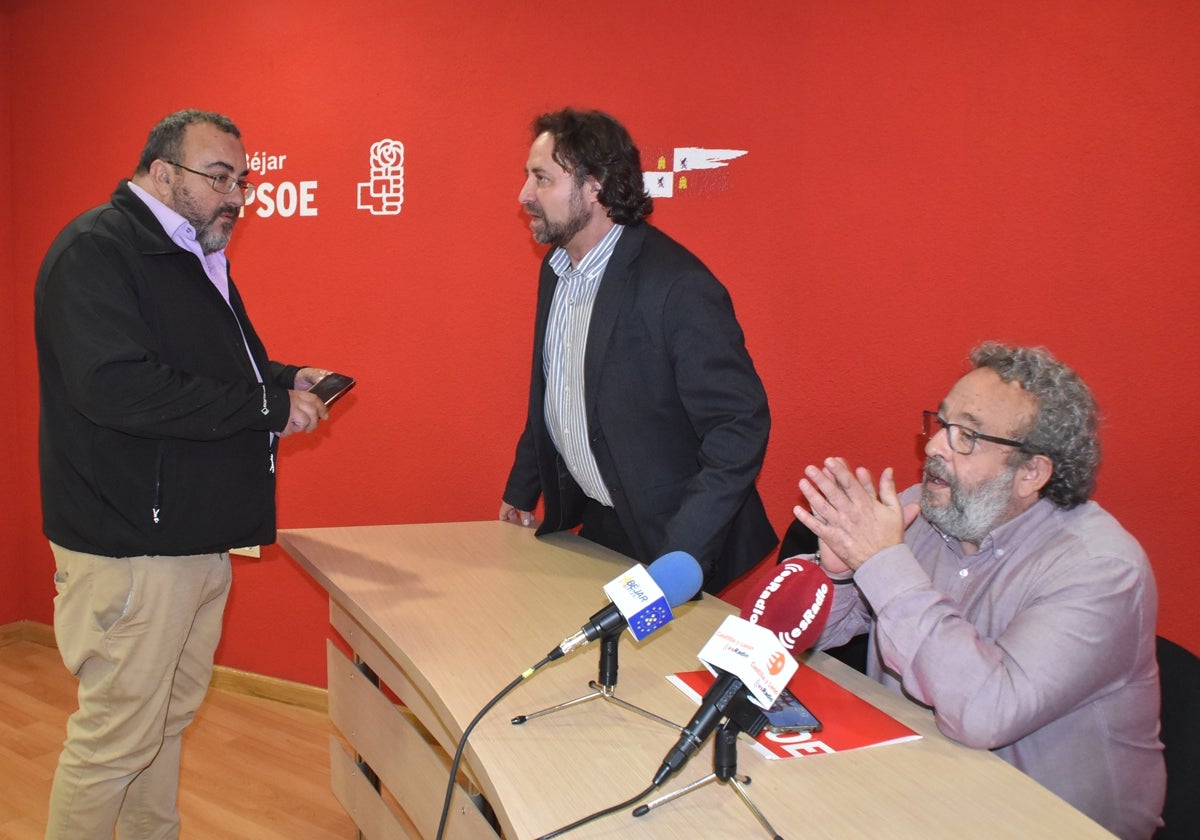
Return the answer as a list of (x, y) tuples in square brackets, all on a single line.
[(332, 387)]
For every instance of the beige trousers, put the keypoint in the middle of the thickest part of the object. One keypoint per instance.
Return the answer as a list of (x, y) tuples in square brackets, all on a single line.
[(139, 633)]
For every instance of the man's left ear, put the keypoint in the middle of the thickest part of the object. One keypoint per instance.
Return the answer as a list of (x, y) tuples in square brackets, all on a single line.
[(1033, 475), (160, 177)]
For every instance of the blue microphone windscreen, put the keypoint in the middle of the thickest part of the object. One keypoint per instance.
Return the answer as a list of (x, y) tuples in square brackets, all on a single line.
[(678, 575)]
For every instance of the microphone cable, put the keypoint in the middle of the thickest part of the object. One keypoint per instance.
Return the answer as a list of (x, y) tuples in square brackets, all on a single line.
[(462, 742), (598, 814)]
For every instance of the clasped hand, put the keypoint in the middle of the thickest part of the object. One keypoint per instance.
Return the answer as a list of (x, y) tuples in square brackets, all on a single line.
[(852, 520), (307, 410)]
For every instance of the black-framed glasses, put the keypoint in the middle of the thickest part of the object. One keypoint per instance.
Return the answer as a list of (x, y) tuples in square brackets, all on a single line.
[(962, 440), (222, 183)]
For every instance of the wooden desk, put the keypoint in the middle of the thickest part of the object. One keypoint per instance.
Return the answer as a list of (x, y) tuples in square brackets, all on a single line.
[(448, 614)]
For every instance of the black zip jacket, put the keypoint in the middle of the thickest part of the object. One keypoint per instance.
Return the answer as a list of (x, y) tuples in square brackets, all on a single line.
[(155, 433)]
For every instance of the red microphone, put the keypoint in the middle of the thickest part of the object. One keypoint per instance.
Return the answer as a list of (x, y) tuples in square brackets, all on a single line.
[(790, 600)]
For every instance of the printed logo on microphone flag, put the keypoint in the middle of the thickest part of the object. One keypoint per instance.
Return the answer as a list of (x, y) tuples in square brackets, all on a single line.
[(776, 662), (751, 653), (650, 618), (640, 600)]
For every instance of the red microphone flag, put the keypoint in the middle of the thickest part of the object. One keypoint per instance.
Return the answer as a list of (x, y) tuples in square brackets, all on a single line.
[(792, 601)]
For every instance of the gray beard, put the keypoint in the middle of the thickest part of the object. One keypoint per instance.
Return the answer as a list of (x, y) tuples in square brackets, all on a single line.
[(210, 230), (212, 238), (970, 514)]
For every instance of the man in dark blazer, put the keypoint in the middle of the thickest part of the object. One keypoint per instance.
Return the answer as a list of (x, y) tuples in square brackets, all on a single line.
[(647, 421)]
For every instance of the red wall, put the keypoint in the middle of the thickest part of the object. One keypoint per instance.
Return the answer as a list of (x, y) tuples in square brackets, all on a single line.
[(919, 177), (12, 587)]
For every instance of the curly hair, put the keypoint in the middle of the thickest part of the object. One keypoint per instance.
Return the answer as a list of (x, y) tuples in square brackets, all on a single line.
[(593, 144), (1065, 428), (166, 139)]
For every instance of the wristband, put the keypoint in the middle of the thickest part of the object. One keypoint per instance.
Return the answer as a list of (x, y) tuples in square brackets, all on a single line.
[(836, 581)]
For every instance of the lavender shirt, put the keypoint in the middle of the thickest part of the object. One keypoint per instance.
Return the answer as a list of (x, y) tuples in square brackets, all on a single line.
[(215, 265), (1039, 647)]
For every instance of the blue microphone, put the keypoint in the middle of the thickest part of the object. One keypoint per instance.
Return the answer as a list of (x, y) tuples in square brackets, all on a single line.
[(677, 574)]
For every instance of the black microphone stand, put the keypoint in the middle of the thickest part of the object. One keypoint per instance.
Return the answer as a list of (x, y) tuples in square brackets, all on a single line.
[(742, 716), (603, 687)]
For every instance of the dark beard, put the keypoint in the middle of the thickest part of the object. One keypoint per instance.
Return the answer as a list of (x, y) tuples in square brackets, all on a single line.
[(558, 234)]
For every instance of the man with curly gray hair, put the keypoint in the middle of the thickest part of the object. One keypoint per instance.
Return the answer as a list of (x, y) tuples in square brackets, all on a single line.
[(997, 595)]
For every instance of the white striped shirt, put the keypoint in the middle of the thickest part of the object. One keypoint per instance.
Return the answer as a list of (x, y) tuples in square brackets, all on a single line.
[(563, 356)]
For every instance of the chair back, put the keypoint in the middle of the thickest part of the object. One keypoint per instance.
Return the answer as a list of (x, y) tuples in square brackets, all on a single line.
[(1179, 677)]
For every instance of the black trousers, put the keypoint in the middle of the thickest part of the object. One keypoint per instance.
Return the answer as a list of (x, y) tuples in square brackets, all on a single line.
[(601, 525)]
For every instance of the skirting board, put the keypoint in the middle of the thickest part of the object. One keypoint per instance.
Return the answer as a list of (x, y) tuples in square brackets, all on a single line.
[(225, 679)]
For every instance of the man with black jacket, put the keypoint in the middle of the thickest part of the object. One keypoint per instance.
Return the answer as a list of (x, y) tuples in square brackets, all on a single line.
[(160, 419), (647, 422)]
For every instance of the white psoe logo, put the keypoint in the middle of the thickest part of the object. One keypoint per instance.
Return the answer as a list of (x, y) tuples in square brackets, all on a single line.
[(383, 195)]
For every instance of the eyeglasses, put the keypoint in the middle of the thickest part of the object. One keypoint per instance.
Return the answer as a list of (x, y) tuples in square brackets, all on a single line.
[(962, 440), (221, 183)]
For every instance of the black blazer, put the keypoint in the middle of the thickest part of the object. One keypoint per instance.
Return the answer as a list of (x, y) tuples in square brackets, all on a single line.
[(677, 414)]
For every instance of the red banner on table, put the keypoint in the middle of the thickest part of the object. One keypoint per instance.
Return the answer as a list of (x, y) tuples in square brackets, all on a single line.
[(847, 721)]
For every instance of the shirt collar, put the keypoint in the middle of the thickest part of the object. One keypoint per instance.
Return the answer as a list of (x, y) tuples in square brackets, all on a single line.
[(175, 225), (593, 260), (1007, 536)]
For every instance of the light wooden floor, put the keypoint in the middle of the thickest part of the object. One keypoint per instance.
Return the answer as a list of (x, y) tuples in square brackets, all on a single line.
[(252, 768)]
